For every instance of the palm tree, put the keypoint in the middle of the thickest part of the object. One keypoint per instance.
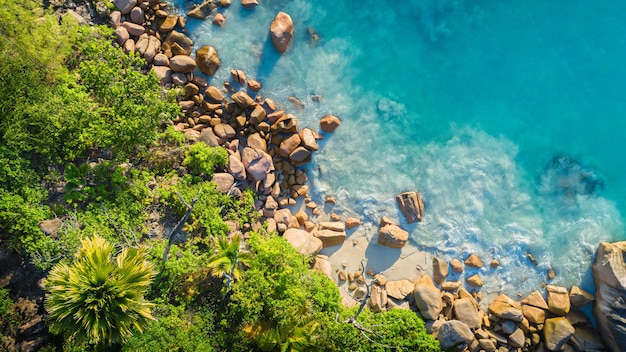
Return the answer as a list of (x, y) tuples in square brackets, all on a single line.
[(99, 299), (228, 260)]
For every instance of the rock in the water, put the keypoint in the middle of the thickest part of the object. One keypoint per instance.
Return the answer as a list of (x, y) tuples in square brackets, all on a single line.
[(556, 332), (303, 242), (125, 6), (392, 236), (474, 261), (207, 60), (474, 281), (249, 4), (465, 310), (427, 297), (453, 333), (308, 139), (281, 32), (456, 265), (609, 273), (329, 123), (558, 300), (352, 223), (257, 163), (411, 206), (182, 63), (203, 11), (506, 308), (440, 270)]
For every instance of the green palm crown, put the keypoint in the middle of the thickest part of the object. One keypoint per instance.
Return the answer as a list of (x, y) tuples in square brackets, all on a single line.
[(99, 298)]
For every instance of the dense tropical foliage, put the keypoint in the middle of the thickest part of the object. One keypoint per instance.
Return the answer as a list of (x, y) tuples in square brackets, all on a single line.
[(84, 139)]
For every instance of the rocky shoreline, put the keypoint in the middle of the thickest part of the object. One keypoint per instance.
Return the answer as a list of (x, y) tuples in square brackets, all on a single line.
[(267, 151)]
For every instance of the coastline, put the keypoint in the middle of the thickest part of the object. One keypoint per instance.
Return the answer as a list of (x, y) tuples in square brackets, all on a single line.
[(396, 264)]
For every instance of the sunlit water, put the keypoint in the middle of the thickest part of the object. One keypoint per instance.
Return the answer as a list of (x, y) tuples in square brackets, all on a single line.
[(507, 116)]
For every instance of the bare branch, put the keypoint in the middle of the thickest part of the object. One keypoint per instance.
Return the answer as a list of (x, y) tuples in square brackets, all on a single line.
[(180, 224)]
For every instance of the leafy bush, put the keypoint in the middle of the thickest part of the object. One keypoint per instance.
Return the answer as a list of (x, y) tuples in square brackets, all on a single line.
[(174, 330), (202, 159), (8, 315)]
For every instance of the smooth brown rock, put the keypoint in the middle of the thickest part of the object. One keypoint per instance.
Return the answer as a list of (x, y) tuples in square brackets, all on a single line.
[(411, 206), (533, 314), (557, 332), (517, 338), (214, 94), (303, 242), (300, 155), (257, 163), (163, 73), (456, 265), (223, 181), (453, 333), (281, 32), (440, 270), (558, 300), (254, 85), (236, 168), (183, 42), (219, 20), (249, 4), (257, 142), (399, 289), (352, 223), (168, 23), (285, 124), (202, 11), (137, 15), (392, 236), (207, 136), (329, 123), (308, 139), (207, 60), (324, 266), (506, 308), (378, 298), (535, 299), (465, 311), (450, 285), (182, 63), (289, 144), (330, 238), (427, 298), (121, 35), (579, 297), (242, 99), (133, 29), (125, 6), (474, 261), (474, 281), (51, 227)]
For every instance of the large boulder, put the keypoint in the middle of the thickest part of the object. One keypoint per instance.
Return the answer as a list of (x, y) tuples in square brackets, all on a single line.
[(257, 163), (558, 300), (329, 123), (557, 331), (454, 333), (378, 298), (176, 41), (207, 60), (609, 273), (223, 181), (427, 298), (392, 236), (303, 242), (440, 270), (505, 308), (182, 63), (281, 32), (331, 233), (465, 310), (323, 265), (411, 206), (125, 6), (399, 289)]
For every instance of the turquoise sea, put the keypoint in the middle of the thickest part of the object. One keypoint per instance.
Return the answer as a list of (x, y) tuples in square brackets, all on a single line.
[(507, 116)]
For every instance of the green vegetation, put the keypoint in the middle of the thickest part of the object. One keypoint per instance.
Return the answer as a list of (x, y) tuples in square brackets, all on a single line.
[(99, 298), (83, 139)]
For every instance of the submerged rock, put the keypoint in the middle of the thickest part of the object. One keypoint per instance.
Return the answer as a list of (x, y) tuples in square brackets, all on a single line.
[(411, 206)]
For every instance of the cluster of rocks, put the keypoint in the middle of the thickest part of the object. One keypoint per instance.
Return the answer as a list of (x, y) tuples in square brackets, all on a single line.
[(539, 322)]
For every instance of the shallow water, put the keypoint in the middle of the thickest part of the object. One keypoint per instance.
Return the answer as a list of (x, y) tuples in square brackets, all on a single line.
[(507, 117)]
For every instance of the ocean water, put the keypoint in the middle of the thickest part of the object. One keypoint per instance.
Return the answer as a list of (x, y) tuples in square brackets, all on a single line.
[(507, 116)]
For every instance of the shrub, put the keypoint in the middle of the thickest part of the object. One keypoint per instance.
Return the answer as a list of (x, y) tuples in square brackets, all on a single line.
[(203, 159)]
